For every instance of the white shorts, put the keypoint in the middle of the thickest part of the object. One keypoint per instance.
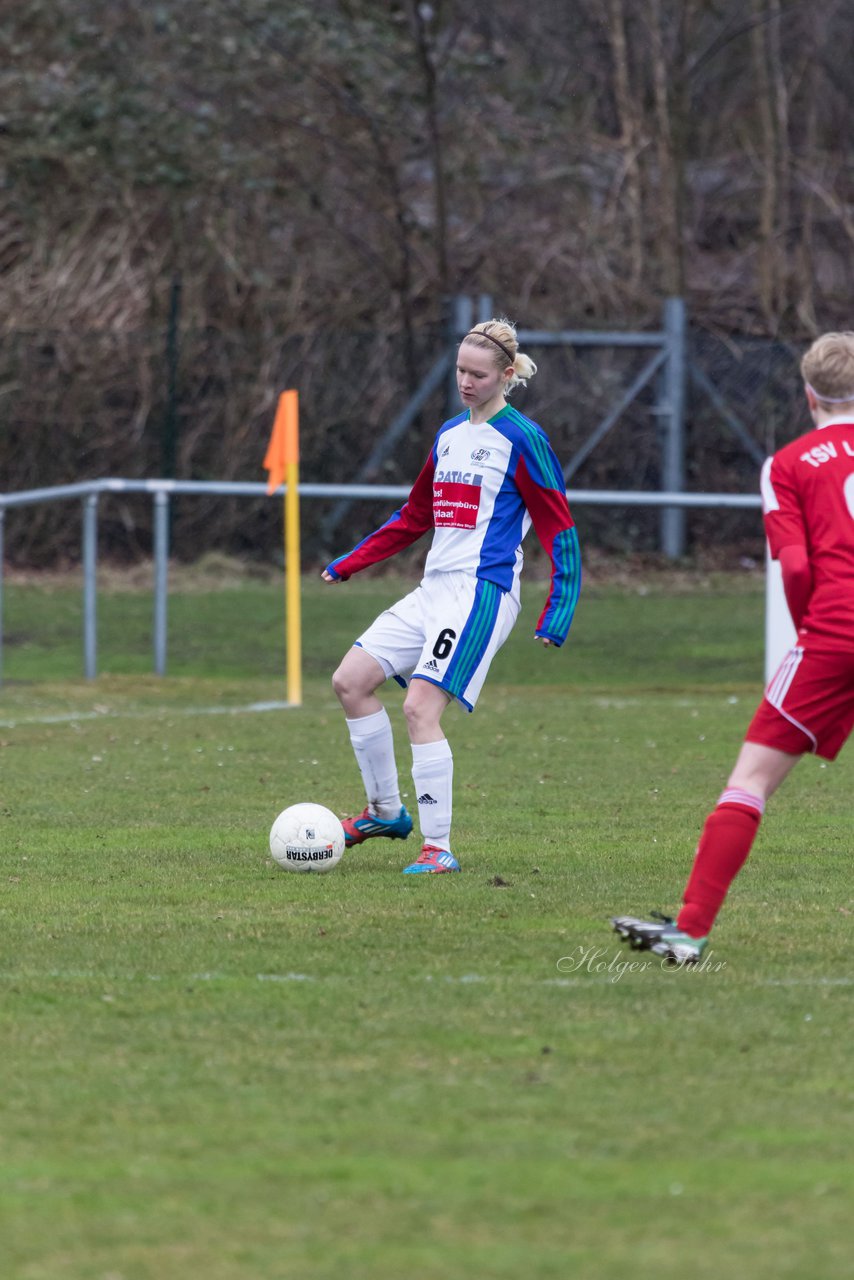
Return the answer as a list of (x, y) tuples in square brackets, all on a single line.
[(446, 631)]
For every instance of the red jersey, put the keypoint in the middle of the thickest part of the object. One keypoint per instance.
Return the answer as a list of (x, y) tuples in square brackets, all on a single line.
[(808, 500)]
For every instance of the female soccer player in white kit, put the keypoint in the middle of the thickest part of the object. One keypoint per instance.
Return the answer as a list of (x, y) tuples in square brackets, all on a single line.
[(490, 475)]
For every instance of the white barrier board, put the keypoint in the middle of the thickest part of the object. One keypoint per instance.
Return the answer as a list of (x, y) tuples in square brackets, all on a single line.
[(780, 632)]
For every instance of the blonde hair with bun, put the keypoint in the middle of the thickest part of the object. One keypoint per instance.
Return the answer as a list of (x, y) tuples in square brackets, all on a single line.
[(499, 337)]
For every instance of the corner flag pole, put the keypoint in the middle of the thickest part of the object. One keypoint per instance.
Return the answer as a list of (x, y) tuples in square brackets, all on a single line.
[(282, 462), (293, 623)]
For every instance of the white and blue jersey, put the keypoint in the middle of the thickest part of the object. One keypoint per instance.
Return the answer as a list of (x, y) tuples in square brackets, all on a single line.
[(480, 490)]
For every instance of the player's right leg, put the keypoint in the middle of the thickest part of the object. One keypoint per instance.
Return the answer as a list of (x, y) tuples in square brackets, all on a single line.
[(808, 706), (729, 833), (725, 843), (355, 682)]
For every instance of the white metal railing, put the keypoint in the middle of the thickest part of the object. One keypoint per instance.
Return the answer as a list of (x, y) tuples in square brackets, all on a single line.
[(161, 490)]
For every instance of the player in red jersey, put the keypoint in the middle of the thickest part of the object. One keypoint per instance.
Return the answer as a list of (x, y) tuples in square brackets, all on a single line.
[(808, 508)]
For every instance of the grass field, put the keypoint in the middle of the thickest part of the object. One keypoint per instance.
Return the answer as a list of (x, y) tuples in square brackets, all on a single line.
[(215, 1069)]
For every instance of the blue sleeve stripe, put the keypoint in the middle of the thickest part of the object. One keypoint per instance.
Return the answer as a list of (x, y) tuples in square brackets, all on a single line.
[(550, 474), (567, 557)]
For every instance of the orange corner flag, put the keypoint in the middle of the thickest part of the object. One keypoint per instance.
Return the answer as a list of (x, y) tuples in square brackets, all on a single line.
[(283, 449)]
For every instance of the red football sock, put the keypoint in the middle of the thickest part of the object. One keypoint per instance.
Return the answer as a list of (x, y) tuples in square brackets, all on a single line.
[(724, 845)]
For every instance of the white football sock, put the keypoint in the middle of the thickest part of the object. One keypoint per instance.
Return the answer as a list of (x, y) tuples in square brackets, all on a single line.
[(433, 775), (373, 745)]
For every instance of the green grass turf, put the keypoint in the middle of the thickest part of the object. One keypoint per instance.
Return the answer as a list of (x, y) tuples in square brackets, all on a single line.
[(216, 1069)]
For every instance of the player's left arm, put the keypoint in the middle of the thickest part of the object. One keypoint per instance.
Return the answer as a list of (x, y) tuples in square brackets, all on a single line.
[(403, 528), (540, 482), (797, 579), (785, 529)]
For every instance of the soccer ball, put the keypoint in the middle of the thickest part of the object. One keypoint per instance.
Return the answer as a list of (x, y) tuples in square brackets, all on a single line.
[(307, 837)]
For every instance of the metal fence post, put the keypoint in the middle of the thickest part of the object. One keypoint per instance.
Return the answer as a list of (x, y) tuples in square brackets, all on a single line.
[(161, 565), (462, 319), (673, 424), (90, 586)]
